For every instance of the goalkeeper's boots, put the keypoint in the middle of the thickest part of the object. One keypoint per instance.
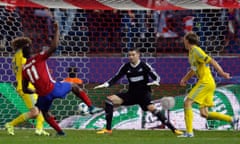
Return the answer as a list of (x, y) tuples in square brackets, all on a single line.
[(177, 132), (187, 135), (41, 132), (234, 123), (104, 131), (93, 110), (10, 129)]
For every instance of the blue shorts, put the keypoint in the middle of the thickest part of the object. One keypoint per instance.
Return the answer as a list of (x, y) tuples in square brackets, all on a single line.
[(60, 90)]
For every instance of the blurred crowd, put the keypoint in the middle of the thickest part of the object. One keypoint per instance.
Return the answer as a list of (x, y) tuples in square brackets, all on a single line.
[(116, 31)]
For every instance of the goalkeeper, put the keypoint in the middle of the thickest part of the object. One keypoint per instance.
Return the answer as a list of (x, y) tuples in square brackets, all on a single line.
[(139, 91)]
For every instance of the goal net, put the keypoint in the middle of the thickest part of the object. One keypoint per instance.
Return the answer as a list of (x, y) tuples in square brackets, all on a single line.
[(94, 44)]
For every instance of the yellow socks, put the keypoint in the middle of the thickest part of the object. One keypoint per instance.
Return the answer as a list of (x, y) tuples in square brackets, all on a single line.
[(219, 116), (188, 115), (22, 118), (40, 121)]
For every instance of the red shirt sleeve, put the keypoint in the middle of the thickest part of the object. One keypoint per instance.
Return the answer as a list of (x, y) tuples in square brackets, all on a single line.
[(42, 55)]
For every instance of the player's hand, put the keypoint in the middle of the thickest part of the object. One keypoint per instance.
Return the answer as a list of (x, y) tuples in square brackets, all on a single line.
[(183, 82), (105, 85), (55, 26), (154, 83), (225, 75)]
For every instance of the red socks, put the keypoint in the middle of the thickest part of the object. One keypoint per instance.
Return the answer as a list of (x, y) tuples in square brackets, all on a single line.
[(51, 121), (84, 97)]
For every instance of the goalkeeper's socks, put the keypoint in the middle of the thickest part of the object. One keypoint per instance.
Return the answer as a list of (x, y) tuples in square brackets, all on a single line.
[(161, 116), (109, 113), (84, 97), (51, 121)]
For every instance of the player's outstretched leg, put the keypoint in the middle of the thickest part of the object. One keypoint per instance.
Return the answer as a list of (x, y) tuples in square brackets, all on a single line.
[(223, 117), (109, 116), (20, 119), (51, 121), (161, 116), (84, 97)]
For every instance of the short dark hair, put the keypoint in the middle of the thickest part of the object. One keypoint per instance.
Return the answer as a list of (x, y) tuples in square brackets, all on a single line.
[(20, 42), (192, 38), (134, 49)]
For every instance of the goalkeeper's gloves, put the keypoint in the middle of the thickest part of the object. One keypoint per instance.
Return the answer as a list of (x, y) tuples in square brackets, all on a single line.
[(104, 85), (156, 83)]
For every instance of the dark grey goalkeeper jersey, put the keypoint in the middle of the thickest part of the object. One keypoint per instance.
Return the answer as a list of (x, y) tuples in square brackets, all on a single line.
[(138, 76)]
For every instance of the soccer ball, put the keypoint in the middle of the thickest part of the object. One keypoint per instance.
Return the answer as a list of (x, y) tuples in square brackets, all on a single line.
[(167, 102), (83, 109)]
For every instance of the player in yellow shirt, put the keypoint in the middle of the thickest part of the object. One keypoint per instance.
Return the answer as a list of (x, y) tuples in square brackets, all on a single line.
[(17, 62), (203, 92)]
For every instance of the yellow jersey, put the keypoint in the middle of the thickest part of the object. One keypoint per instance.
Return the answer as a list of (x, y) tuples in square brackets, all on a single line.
[(17, 62), (199, 62)]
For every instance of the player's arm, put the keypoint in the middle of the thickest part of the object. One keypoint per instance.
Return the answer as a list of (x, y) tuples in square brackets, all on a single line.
[(17, 64), (153, 74), (121, 72), (184, 80), (25, 87), (204, 58), (55, 40), (219, 69)]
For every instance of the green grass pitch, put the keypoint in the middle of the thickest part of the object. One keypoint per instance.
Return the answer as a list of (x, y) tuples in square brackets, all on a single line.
[(121, 137)]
